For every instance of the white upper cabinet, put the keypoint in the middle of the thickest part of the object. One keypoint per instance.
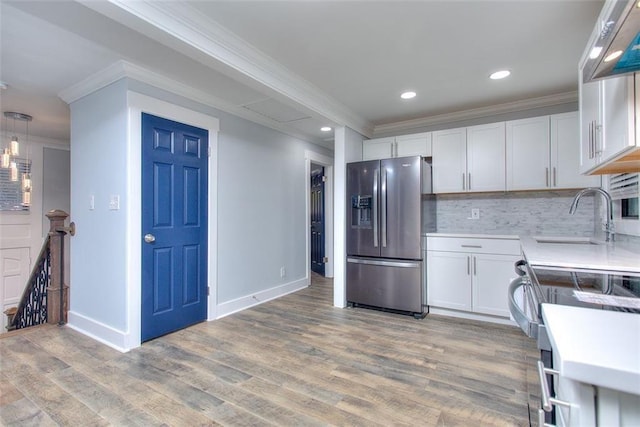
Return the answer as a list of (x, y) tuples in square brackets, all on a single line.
[(379, 148), (528, 153), (607, 123), (544, 153), (485, 157), (617, 109), (469, 159), (449, 160), (418, 144), (565, 154)]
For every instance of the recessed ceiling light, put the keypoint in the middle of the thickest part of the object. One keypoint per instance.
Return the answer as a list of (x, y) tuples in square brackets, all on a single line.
[(500, 74), (595, 52), (612, 56), (325, 129), (408, 95)]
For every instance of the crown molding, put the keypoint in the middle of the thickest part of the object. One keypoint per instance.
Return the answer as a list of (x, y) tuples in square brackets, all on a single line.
[(186, 25), (475, 113), (124, 69)]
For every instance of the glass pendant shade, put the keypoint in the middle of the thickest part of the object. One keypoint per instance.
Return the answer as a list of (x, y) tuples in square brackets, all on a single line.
[(26, 198), (14, 171), (15, 147), (5, 162), (26, 182)]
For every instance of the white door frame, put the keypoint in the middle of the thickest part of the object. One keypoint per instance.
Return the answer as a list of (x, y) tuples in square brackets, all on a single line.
[(137, 104), (327, 162)]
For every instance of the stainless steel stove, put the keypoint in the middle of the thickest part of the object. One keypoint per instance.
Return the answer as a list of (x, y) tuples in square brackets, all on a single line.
[(596, 289)]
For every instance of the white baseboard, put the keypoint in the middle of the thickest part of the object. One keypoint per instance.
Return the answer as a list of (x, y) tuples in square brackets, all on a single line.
[(471, 316), (98, 331), (242, 303)]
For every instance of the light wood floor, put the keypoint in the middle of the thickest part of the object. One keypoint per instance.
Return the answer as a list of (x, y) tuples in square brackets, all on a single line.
[(295, 361)]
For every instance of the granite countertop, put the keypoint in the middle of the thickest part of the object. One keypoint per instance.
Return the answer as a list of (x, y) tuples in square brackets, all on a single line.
[(473, 236), (579, 253), (598, 347)]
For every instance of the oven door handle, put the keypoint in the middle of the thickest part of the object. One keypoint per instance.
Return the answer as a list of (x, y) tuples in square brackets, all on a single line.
[(528, 326)]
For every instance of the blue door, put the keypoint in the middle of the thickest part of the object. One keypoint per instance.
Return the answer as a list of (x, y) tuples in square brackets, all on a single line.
[(317, 219), (174, 225)]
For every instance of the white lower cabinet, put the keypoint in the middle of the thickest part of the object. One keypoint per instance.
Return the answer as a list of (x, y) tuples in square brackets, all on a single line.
[(471, 274), (586, 405)]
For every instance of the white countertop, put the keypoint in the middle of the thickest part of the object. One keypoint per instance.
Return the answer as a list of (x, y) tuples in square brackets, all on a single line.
[(597, 347), (610, 256), (473, 236)]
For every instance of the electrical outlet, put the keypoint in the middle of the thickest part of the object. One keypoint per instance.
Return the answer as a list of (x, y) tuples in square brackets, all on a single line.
[(283, 272), (475, 213)]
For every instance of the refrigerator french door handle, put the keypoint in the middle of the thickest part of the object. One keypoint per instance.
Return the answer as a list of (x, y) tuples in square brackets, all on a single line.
[(376, 178), (383, 209)]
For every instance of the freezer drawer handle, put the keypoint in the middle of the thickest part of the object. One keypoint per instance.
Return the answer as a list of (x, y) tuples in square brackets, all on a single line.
[(384, 263), (472, 246)]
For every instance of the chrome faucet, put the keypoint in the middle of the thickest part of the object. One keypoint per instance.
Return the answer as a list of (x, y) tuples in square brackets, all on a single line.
[(608, 226)]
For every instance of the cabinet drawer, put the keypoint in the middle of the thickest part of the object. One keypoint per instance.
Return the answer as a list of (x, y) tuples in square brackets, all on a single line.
[(475, 245)]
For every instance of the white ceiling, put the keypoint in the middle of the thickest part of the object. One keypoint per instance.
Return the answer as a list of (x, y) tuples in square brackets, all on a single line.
[(297, 65)]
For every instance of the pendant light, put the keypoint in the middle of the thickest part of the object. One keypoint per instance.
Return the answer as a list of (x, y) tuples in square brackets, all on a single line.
[(9, 158)]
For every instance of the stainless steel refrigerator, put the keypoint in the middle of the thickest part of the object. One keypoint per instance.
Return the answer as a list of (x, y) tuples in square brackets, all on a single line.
[(384, 227)]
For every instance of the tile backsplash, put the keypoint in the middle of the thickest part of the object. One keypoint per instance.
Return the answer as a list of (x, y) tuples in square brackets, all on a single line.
[(533, 213)]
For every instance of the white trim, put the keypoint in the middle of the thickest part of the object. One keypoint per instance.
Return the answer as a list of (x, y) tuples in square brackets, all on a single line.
[(475, 113), (187, 25), (327, 162), (252, 300), (138, 103), (105, 334), (124, 69), (471, 316)]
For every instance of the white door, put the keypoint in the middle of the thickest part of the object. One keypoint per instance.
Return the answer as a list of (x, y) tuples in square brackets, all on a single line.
[(486, 157), (14, 274), (528, 154), (449, 280), (565, 153), (449, 161)]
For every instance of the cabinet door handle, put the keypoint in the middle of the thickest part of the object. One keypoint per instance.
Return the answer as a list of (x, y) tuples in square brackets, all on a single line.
[(468, 265), (547, 400), (546, 177), (475, 269), (464, 187), (597, 148), (555, 177), (591, 149), (469, 174)]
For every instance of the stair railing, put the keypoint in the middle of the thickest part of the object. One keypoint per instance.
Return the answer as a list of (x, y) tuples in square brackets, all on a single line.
[(46, 297)]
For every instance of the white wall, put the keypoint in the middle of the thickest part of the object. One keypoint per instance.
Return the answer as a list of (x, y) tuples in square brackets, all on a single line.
[(348, 148), (22, 233), (99, 169), (261, 212)]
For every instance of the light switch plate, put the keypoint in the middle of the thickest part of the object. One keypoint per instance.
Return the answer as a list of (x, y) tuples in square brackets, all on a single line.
[(114, 202), (475, 213)]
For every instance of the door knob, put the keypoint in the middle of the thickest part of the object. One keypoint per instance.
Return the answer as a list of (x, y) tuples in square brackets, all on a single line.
[(149, 238)]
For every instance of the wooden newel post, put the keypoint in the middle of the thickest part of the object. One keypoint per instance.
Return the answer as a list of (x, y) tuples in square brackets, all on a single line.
[(57, 301)]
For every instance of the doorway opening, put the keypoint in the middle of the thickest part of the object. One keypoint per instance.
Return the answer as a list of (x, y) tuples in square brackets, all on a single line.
[(319, 181)]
